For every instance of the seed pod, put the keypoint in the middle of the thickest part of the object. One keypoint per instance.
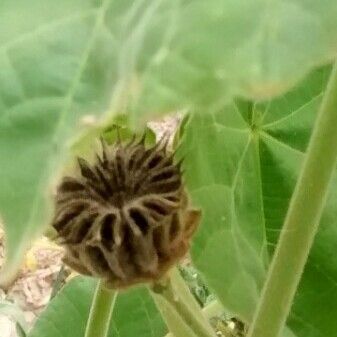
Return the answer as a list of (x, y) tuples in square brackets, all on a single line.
[(125, 218)]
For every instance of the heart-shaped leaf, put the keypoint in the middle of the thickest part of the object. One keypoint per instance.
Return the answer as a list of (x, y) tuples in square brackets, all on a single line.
[(241, 165)]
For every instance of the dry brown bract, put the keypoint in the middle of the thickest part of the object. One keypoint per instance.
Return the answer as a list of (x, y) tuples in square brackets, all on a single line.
[(126, 218)]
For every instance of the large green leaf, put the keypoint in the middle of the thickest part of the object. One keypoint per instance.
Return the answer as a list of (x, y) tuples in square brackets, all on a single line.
[(134, 313), (61, 60), (241, 165), (198, 53), (56, 66)]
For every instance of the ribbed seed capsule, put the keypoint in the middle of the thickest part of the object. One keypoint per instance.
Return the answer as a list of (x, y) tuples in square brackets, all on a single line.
[(125, 218)]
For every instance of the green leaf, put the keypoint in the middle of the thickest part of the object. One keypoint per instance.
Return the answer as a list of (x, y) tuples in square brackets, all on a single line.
[(54, 58), (189, 54), (62, 61), (134, 313), (225, 183), (241, 165)]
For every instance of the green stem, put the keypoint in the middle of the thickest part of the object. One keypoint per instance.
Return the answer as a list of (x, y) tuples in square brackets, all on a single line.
[(100, 312), (213, 309), (301, 222), (179, 309)]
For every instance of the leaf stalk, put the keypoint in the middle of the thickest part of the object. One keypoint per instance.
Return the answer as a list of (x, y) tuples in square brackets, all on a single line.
[(179, 309), (100, 312)]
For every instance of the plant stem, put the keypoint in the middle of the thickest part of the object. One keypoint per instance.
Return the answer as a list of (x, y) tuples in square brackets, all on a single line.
[(301, 222), (100, 312), (212, 309), (179, 309)]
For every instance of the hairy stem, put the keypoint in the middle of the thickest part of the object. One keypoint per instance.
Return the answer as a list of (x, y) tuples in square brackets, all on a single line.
[(100, 312), (179, 309), (301, 222)]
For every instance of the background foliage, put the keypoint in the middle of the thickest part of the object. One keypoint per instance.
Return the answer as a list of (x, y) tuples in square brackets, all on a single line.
[(64, 61)]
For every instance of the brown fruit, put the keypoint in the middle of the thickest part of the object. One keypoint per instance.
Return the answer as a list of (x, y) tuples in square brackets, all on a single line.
[(125, 218)]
